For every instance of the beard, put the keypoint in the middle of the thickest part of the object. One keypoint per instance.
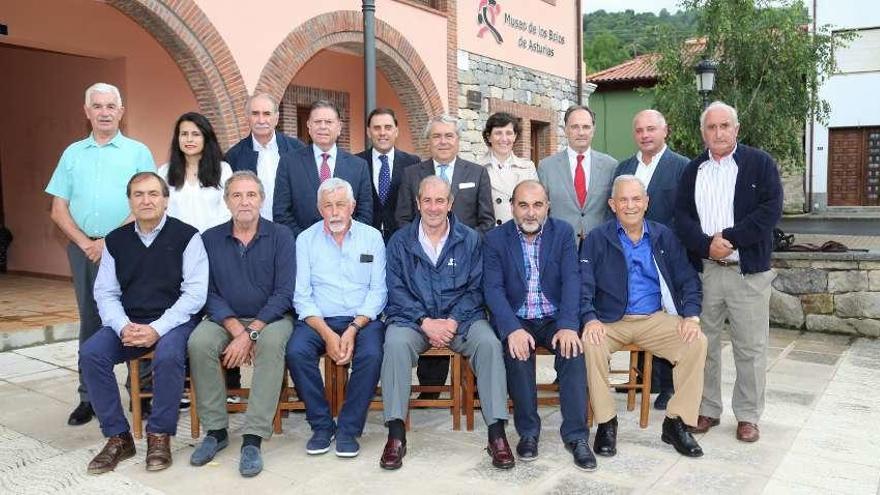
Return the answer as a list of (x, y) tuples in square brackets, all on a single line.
[(336, 226)]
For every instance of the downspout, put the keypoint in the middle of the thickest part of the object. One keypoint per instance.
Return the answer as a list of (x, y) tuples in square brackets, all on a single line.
[(808, 208), (369, 9), (579, 63)]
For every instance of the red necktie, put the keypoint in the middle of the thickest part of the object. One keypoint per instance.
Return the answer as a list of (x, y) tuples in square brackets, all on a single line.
[(580, 181), (325, 167)]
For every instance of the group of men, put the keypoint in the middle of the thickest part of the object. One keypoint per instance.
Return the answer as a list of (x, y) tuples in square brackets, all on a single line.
[(381, 256)]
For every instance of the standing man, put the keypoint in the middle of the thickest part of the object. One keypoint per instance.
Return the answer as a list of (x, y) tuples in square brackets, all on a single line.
[(262, 149), (301, 172), (152, 282), (340, 293), (388, 165), (659, 168), (729, 201), (249, 300), (88, 189), (530, 280), (578, 178)]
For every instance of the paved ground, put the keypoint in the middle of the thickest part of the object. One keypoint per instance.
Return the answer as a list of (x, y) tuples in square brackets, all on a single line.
[(819, 435)]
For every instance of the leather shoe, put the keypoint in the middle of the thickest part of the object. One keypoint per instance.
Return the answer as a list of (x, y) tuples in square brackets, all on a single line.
[(606, 438), (392, 455), (704, 423), (675, 433), (583, 456), (118, 448), (158, 451), (81, 415), (499, 449), (662, 400), (747, 432), (527, 449)]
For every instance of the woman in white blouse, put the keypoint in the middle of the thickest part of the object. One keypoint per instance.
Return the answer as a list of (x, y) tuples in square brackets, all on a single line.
[(506, 170), (196, 174)]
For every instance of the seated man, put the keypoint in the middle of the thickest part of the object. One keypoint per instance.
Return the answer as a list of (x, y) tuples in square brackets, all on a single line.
[(340, 292), (531, 285), (638, 287), (435, 269), (249, 297), (152, 280)]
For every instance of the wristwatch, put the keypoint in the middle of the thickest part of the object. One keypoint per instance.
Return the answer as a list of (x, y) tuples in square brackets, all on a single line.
[(420, 320), (253, 334), (693, 318)]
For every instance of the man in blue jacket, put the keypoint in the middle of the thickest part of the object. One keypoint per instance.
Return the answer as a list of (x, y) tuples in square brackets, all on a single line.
[(637, 287), (531, 285), (434, 273), (729, 201)]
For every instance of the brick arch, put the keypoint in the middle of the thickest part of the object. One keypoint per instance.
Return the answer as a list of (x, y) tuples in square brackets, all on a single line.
[(185, 32), (395, 57)]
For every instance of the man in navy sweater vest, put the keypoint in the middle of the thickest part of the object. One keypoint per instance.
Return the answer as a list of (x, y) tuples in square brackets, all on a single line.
[(152, 280)]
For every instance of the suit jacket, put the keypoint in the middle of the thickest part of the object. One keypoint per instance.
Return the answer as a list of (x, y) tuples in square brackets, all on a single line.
[(243, 157), (383, 215), (504, 275), (503, 182), (296, 188), (555, 173), (470, 184), (663, 186)]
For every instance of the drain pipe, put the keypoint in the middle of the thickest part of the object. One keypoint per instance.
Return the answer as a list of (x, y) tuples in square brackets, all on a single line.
[(808, 178), (579, 36), (369, 9)]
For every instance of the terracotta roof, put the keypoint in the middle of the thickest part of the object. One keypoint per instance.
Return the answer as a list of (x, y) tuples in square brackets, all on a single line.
[(641, 68)]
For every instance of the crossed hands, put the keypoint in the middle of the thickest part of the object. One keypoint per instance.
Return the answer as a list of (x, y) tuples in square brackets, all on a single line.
[(440, 331), (720, 247), (340, 348), (138, 335)]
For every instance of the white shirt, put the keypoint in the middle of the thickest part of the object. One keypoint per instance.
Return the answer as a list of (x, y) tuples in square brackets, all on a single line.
[(713, 195), (572, 163), (432, 252), (267, 166), (449, 170), (377, 166), (201, 207), (331, 160), (645, 171)]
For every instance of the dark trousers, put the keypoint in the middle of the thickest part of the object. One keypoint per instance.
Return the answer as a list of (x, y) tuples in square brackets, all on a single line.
[(432, 370), (661, 374), (521, 386), (84, 273), (304, 350), (104, 350)]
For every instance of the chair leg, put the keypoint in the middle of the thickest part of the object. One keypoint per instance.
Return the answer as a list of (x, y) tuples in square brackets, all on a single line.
[(340, 379), (646, 390), (134, 371), (589, 415), (195, 426), (456, 392)]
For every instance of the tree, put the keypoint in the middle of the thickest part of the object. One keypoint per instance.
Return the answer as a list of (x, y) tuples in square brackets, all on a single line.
[(603, 51), (770, 67)]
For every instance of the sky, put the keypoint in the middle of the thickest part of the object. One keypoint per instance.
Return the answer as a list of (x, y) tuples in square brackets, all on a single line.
[(637, 5)]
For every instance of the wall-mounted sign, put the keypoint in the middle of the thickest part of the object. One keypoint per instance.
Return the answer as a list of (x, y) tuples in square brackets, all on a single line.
[(531, 35)]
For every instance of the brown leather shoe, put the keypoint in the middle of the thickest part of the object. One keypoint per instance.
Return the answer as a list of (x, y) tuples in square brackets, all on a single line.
[(502, 456), (704, 423), (747, 432), (117, 449), (158, 451), (392, 456)]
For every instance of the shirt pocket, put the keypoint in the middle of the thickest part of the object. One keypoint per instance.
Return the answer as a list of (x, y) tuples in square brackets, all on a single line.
[(361, 271)]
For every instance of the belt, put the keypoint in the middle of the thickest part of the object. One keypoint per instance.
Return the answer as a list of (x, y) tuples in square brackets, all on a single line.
[(724, 262)]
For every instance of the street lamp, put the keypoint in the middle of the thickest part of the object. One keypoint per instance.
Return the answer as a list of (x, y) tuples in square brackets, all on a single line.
[(705, 78)]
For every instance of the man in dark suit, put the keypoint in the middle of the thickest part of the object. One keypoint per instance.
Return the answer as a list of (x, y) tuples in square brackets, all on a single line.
[(659, 168), (387, 167), (301, 172), (472, 206), (530, 283)]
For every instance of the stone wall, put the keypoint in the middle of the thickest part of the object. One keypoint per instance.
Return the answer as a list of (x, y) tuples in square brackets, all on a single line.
[(827, 292)]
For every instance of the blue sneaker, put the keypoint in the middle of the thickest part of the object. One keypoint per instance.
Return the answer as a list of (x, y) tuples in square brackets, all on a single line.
[(347, 446), (206, 450), (320, 442), (251, 462)]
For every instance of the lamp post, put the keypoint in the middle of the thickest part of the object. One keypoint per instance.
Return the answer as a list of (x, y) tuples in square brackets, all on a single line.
[(705, 78)]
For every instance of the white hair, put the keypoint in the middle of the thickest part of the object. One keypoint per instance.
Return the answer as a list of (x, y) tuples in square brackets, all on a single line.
[(334, 184), (719, 104), (443, 119), (620, 179), (103, 88)]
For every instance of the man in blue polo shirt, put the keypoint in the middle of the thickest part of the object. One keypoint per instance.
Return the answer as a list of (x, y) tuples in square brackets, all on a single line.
[(88, 189)]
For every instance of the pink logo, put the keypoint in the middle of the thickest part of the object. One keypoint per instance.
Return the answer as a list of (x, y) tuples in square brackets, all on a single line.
[(486, 13)]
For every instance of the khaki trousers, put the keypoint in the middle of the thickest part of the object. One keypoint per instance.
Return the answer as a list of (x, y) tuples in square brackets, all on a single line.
[(657, 333)]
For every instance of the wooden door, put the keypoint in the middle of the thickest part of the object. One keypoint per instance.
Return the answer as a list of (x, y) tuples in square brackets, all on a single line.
[(846, 158)]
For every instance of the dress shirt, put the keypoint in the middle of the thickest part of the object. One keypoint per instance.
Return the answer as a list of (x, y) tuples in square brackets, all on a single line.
[(643, 288), (267, 167), (340, 281), (193, 288), (92, 178), (536, 304), (201, 207), (714, 191), (572, 163), (431, 252), (377, 166), (450, 168), (331, 160), (253, 281), (644, 171)]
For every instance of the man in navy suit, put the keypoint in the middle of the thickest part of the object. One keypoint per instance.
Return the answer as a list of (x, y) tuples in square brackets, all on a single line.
[(659, 168), (387, 166), (531, 285), (301, 172)]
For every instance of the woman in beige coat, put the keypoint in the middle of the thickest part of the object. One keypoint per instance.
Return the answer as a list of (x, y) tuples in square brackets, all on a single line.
[(506, 170)]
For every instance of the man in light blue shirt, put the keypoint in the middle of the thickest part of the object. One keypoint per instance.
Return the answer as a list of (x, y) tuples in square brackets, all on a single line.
[(88, 189), (340, 292)]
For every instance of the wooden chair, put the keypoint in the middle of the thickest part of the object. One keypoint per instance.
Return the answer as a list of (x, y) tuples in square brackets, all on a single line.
[(288, 401), (137, 427)]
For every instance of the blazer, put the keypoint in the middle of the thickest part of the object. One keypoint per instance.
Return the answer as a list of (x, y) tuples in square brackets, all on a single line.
[(243, 157), (470, 184), (296, 188), (555, 173), (504, 181), (663, 186), (383, 215), (504, 275), (757, 207)]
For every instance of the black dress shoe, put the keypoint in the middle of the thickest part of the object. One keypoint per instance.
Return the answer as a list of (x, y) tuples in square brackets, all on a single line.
[(392, 454), (662, 400), (81, 415), (676, 433), (527, 449), (499, 450), (583, 456), (606, 438)]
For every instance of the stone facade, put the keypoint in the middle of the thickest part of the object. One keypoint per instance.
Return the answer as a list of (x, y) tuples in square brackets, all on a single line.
[(827, 292)]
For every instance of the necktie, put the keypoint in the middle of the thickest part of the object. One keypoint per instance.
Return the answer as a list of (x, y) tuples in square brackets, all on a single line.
[(384, 179), (325, 167), (444, 172), (580, 181)]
